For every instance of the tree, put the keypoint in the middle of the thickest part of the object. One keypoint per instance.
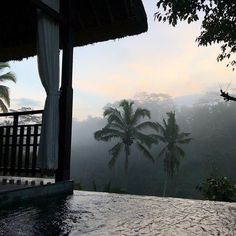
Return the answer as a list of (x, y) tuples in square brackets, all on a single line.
[(171, 136), (218, 20), (125, 124), (4, 90), (218, 23), (218, 188)]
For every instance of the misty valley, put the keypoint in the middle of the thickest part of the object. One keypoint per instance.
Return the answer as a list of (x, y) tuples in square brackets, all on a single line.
[(211, 152)]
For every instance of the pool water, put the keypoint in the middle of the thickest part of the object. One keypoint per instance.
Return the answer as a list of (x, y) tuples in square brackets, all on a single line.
[(90, 213)]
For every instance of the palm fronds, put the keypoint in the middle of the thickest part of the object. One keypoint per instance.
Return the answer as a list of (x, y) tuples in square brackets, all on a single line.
[(3, 107), (107, 134), (4, 94), (4, 65), (140, 113), (145, 151), (180, 151), (113, 115), (4, 90), (124, 124), (147, 139), (115, 151), (171, 136), (8, 77), (127, 110), (147, 124), (162, 152)]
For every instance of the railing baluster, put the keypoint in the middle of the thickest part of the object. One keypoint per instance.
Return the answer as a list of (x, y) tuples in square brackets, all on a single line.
[(35, 147), (20, 149), (6, 150), (1, 146), (19, 145), (27, 148), (14, 142)]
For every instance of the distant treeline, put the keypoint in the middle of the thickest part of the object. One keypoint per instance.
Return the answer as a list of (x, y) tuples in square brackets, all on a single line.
[(212, 124)]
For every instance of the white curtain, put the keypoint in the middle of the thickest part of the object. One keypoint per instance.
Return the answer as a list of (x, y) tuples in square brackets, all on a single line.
[(48, 66)]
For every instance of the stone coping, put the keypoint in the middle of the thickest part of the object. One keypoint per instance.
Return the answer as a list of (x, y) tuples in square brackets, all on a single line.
[(13, 193)]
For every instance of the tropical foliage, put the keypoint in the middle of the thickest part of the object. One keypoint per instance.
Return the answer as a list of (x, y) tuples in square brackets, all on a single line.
[(4, 90), (211, 123), (171, 136), (217, 188), (218, 24), (125, 124), (218, 21), (169, 133)]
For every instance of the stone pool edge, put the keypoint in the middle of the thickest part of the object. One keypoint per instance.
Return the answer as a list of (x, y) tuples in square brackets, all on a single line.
[(34, 192)]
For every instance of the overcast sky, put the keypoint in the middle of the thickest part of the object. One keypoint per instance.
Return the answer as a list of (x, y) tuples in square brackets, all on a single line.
[(163, 60)]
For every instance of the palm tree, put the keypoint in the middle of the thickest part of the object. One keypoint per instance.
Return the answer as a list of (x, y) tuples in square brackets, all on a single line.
[(171, 136), (4, 90), (125, 126)]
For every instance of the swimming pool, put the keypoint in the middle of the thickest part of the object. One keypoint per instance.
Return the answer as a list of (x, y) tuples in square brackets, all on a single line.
[(90, 213)]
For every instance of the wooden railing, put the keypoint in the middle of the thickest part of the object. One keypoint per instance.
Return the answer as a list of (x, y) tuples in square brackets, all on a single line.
[(19, 144)]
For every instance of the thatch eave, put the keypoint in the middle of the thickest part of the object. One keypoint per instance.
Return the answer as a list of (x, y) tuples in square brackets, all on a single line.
[(95, 21)]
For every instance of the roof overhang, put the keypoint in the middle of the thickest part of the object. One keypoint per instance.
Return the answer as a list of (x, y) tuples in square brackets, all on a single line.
[(94, 21)]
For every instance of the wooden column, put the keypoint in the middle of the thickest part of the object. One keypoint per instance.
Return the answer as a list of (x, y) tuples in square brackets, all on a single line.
[(66, 97)]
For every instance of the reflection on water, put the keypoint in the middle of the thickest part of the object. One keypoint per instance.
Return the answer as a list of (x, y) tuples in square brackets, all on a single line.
[(87, 213), (37, 218)]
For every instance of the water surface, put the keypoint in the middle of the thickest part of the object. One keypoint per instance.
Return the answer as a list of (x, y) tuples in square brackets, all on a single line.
[(89, 213)]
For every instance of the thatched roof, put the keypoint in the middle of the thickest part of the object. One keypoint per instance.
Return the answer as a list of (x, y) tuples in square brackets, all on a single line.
[(95, 20)]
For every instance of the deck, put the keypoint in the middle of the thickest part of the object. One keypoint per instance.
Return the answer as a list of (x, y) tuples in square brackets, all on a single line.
[(21, 190), (20, 177)]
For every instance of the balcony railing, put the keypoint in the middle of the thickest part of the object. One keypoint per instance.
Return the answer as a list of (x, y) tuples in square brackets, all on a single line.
[(19, 142)]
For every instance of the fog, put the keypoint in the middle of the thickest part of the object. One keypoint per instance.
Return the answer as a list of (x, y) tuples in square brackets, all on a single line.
[(209, 119)]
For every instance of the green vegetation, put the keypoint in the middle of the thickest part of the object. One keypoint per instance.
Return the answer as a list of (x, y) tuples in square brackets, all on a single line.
[(4, 90), (217, 188), (171, 136), (108, 188), (218, 21), (126, 125), (211, 123)]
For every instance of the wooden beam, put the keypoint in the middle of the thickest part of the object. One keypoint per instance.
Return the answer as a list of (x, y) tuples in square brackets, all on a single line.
[(81, 24), (20, 113), (126, 8), (63, 21), (95, 13), (108, 5), (49, 11), (66, 99)]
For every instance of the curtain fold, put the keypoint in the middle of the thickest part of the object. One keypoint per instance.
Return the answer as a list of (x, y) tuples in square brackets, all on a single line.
[(48, 67)]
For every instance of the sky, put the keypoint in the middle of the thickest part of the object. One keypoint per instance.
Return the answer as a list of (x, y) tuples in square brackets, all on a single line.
[(163, 60)]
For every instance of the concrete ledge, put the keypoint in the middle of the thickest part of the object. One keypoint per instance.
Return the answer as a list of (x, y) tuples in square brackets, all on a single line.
[(33, 192)]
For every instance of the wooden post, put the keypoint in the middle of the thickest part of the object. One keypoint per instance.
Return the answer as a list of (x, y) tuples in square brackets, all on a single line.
[(66, 97), (14, 143)]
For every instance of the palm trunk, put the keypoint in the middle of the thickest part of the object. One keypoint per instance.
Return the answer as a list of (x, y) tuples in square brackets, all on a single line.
[(127, 153), (165, 186)]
